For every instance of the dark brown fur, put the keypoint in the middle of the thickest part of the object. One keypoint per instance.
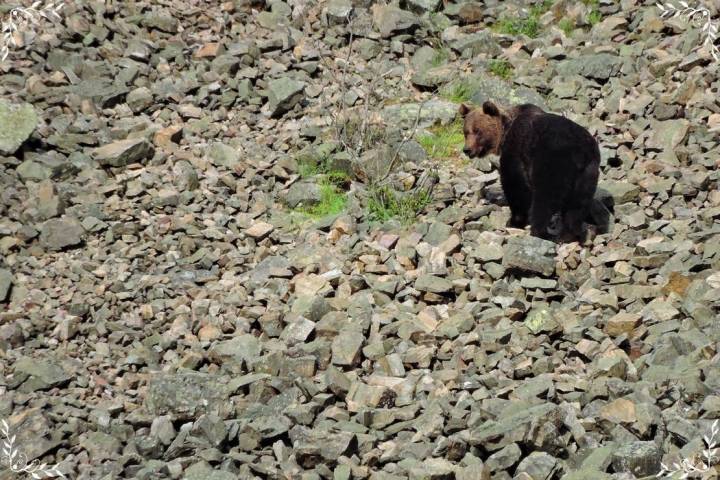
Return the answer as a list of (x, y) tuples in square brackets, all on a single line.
[(548, 164)]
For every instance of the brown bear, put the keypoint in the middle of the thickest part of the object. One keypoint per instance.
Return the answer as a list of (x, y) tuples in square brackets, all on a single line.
[(548, 164)]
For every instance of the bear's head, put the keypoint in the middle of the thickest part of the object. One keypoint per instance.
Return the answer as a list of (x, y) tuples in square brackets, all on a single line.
[(483, 128)]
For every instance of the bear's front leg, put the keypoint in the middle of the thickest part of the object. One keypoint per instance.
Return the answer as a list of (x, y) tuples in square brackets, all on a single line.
[(516, 190)]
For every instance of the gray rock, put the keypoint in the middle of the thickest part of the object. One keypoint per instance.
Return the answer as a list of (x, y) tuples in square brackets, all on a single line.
[(33, 171), (139, 99), (283, 94), (203, 471), (621, 192), (346, 347), (186, 396), (162, 21), (482, 87), (223, 155), (538, 465), (123, 152), (504, 459), (243, 348), (315, 444), (668, 134), (40, 374), (6, 280), (57, 234), (430, 113), (338, 11), (17, 123), (304, 194), (642, 459), (100, 446), (48, 203), (541, 319), (433, 284), (530, 254), (390, 20), (423, 6), (600, 66)]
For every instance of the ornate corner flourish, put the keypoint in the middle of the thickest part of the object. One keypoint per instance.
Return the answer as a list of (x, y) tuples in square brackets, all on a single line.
[(21, 19), (13, 458)]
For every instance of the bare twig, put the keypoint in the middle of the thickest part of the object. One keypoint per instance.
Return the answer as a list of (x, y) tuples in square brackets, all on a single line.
[(18, 461), (20, 19), (709, 28)]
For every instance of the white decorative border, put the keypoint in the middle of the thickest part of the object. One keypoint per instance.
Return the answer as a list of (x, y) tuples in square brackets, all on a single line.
[(709, 28), (701, 463), (17, 461), (21, 18)]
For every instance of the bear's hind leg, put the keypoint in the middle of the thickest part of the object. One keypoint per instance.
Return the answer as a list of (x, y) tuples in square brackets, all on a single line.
[(577, 207), (549, 192), (516, 190), (541, 212), (572, 225)]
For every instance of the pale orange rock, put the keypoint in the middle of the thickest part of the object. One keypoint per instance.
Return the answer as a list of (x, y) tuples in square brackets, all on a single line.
[(209, 50), (168, 135), (259, 230), (622, 322), (619, 411)]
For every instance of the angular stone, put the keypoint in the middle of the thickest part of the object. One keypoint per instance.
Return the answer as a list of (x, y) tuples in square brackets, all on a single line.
[(139, 99), (49, 204), (538, 465), (41, 374), (186, 396), (346, 347), (390, 20), (283, 94), (167, 136), (241, 348), (312, 445), (642, 459), (100, 446), (668, 134), (17, 123), (6, 280), (622, 323), (123, 152), (619, 411), (600, 66), (304, 194), (541, 319), (530, 254), (223, 155), (259, 230), (505, 458), (433, 284), (57, 234)]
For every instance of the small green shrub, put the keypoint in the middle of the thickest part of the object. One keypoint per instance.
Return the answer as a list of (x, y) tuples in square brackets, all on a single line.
[(457, 92), (331, 182), (332, 201), (567, 26), (529, 26), (444, 141), (384, 204), (594, 16), (500, 67), (442, 55)]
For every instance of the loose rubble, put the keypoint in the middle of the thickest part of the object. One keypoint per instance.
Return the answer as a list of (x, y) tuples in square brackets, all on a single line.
[(169, 309)]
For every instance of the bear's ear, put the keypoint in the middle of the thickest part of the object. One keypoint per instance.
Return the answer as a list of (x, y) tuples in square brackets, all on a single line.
[(464, 110), (489, 108)]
